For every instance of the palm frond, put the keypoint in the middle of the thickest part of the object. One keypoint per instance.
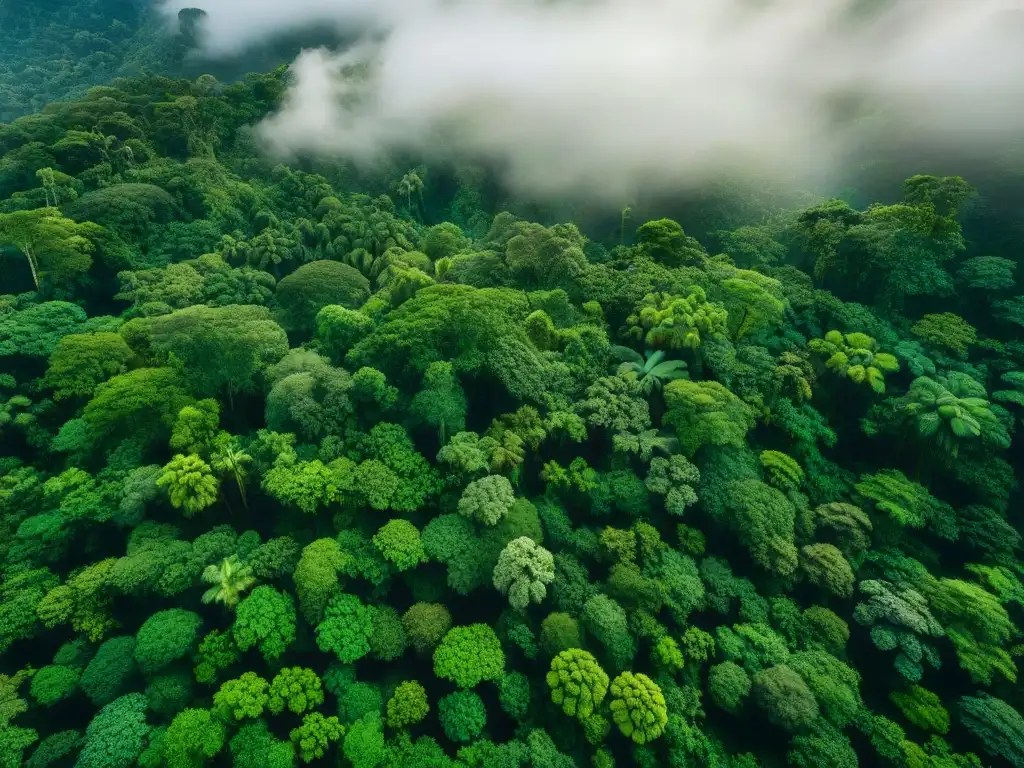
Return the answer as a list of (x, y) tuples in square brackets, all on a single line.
[(626, 355), (653, 360), (670, 369)]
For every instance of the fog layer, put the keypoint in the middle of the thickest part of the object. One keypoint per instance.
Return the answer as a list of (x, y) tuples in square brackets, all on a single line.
[(602, 97)]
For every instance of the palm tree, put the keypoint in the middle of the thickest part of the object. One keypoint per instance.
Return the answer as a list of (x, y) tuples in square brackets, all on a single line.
[(229, 458), (229, 579), (505, 452), (645, 443), (650, 373), (48, 180), (952, 410), (410, 183)]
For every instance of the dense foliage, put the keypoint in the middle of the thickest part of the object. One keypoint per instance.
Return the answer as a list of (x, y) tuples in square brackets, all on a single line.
[(372, 468), (54, 51)]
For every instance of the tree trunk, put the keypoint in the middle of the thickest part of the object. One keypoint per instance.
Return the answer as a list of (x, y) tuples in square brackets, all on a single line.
[(32, 266), (241, 491)]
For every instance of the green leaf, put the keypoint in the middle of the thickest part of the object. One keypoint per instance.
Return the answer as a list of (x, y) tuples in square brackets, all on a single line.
[(626, 355)]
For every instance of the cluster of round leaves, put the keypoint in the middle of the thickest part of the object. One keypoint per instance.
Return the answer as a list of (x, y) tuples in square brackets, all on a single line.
[(856, 356), (469, 655), (514, 694), (54, 683), (675, 479), (577, 682), (425, 624), (254, 745), (388, 640), (579, 685), (190, 482), (217, 651), (243, 697), (53, 748), (346, 628), (171, 692), (106, 675), (117, 734), (523, 572), (728, 685), (316, 734), (399, 543), (462, 715), (665, 321), (265, 619), (193, 736), (165, 637), (408, 705), (784, 695), (296, 689), (638, 707), (487, 500), (559, 632), (667, 655)]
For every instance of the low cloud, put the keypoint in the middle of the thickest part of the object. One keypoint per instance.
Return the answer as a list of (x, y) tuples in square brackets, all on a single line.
[(605, 97)]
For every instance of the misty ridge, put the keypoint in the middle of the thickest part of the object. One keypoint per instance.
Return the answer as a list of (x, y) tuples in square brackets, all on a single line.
[(599, 98)]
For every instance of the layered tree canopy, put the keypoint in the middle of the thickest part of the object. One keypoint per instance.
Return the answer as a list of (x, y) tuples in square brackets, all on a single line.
[(389, 464)]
